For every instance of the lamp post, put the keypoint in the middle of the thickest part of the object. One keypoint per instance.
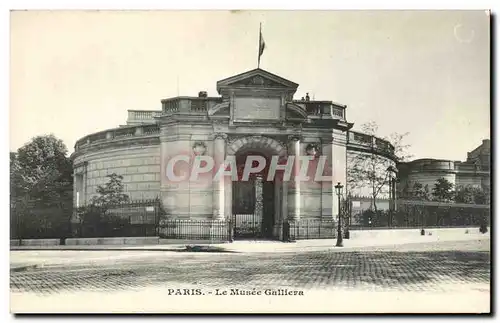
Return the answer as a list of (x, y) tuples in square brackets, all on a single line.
[(392, 192), (338, 190)]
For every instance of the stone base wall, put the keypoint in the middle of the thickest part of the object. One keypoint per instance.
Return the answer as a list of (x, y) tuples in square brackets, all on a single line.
[(35, 242), (112, 241)]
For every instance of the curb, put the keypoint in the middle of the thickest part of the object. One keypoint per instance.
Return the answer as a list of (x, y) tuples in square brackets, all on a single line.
[(201, 248), (198, 248), (24, 268), (98, 249)]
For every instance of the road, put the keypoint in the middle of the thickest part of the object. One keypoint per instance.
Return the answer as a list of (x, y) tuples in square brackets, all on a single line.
[(425, 277)]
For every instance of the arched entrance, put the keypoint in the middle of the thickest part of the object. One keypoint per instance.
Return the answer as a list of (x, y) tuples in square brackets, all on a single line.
[(256, 200)]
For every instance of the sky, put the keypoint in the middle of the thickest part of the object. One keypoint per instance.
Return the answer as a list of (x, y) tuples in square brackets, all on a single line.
[(427, 73)]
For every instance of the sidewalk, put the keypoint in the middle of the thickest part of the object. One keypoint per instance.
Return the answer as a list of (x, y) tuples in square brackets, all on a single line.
[(268, 246)]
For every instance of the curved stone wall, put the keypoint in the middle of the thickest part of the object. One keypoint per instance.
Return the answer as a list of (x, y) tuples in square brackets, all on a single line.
[(427, 172), (139, 166), (134, 153), (135, 157), (366, 190)]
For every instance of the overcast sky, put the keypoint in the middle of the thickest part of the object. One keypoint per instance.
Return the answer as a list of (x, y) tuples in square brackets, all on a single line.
[(427, 72)]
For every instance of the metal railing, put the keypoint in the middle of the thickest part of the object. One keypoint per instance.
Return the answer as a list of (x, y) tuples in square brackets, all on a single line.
[(195, 229), (312, 229), (423, 216)]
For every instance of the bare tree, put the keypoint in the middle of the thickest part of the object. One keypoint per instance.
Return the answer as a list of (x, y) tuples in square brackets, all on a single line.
[(370, 169)]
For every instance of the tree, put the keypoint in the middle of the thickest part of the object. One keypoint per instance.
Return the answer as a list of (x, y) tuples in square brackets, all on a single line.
[(16, 183), (95, 218), (482, 196), (464, 194), (420, 192), (426, 196), (41, 183), (417, 190), (471, 195), (405, 191), (111, 193), (42, 161), (443, 190), (371, 168)]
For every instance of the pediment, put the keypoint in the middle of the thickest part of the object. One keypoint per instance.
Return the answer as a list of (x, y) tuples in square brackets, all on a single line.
[(256, 78)]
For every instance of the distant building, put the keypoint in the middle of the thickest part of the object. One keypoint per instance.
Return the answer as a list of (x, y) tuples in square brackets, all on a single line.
[(475, 171)]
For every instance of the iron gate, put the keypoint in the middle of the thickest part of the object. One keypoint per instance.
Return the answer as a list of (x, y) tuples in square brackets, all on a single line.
[(247, 226)]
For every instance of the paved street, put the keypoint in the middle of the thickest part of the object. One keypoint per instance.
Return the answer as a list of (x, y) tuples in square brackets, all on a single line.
[(449, 276)]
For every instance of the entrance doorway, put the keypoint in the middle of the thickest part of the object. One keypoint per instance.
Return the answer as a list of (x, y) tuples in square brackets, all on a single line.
[(253, 203)]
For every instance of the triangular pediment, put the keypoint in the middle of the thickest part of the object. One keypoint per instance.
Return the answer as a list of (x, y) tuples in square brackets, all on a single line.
[(257, 78)]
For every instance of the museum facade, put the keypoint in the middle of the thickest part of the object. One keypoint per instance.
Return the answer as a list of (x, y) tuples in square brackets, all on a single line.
[(255, 114)]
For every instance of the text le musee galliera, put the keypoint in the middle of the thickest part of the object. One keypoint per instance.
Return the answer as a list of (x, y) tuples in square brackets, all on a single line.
[(234, 292)]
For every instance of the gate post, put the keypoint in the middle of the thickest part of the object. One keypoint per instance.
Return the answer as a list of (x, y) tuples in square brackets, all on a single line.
[(286, 231), (230, 229)]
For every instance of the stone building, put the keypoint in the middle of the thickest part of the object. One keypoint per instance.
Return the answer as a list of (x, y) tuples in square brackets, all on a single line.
[(254, 114), (474, 171)]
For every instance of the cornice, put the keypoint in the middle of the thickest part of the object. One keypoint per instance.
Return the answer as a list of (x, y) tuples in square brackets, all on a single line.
[(117, 143)]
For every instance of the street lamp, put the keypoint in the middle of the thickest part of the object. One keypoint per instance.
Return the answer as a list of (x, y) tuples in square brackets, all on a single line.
[(338, 190), (392, 192)]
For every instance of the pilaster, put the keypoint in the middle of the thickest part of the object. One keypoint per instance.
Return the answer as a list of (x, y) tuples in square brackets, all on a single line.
[(259, 204), (293, 194), (218, 188), (339, 170), (327, 198)]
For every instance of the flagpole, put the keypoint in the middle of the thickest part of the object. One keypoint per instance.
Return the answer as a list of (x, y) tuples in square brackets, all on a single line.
[(177, 84), (258, 48)]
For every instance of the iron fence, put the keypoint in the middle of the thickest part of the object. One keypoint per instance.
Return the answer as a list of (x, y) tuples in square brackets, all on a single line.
[(196, 229), (50, 223), (311, 229), (146, 218), (416, 215), (130, 219)]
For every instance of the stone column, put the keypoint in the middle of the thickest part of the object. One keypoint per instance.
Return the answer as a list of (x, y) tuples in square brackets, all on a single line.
[(278, 214), (339, 155), (76, 188), (259, 203), (284, 201), (167, 188), (310, 190), (175, 194), (327, 191), (293, 185), (228, 195), (85, 182), (277, 201), (219, 185)]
